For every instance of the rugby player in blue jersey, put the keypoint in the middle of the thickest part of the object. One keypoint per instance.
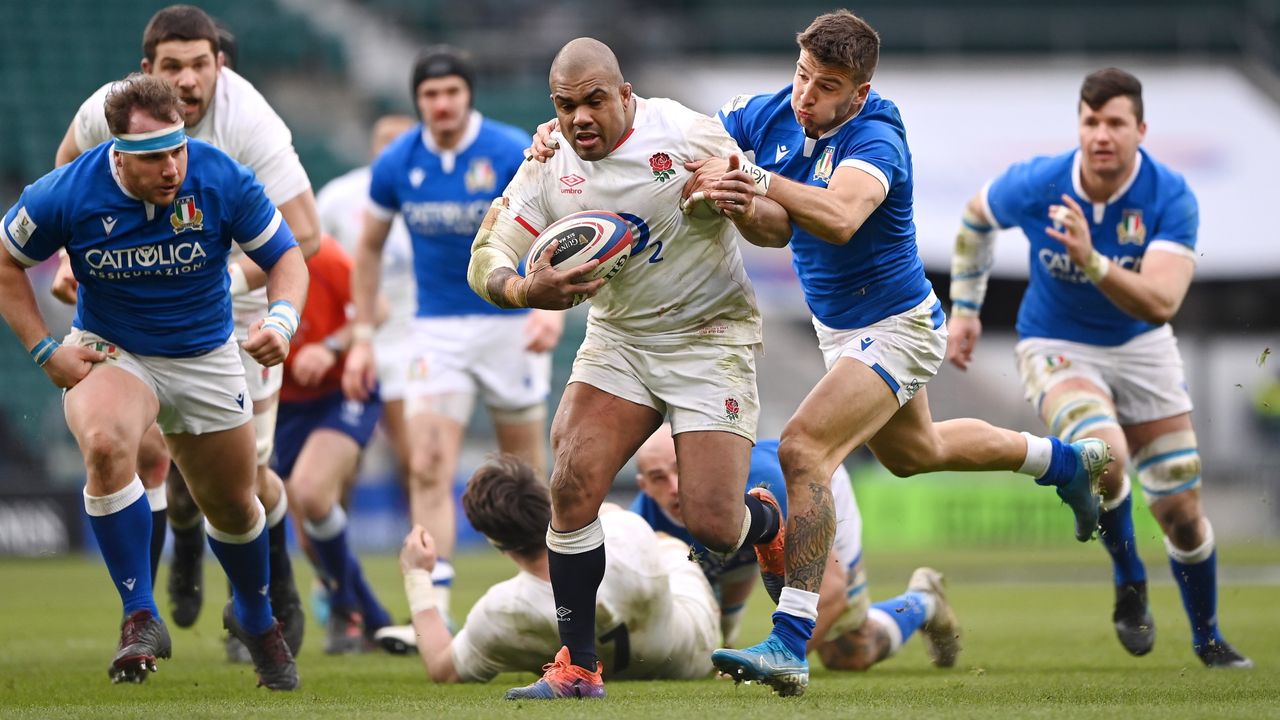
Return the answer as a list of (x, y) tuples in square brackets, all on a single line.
[(440, 177), (1112, 236), (148, 220)]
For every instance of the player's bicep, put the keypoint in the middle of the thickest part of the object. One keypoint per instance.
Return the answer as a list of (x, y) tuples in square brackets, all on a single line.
[(858, 191), (1170, 267)]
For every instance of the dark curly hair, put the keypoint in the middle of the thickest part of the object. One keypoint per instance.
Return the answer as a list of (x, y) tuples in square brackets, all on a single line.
[(842, 39), (507, 502)]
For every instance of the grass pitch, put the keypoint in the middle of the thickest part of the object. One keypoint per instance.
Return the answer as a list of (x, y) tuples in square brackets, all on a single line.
[(1038, 643)]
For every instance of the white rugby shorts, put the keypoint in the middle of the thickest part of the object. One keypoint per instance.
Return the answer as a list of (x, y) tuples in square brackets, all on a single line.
[(197, 395), (392, 348), (263, 382), (1143, 377), (698, 385), (905, 350), (478, 356)]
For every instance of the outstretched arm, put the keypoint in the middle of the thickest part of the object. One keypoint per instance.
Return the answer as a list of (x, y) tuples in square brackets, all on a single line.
[(435, 642)]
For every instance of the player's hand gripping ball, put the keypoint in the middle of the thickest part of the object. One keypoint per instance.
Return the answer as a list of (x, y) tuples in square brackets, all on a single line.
[(586, 236)]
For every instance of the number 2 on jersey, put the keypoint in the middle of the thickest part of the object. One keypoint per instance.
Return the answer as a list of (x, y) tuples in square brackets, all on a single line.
[(641, 235)]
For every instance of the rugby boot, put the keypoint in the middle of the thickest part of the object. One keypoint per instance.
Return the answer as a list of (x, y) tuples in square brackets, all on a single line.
[(143, 638), (941, 635), (346, 633), (770, 663), (562, 679), (286, 605), (1082, 491), (1135, 627), (272, 660), (397, 639), (771, 556), (1221, 655)]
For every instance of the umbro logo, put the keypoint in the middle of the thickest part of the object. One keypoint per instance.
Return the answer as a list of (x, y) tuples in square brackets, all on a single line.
[(108, 224), (782, 152), (416, 176), (866, 342), (563, 613), (571, 183), (240, 400), (128, 584)]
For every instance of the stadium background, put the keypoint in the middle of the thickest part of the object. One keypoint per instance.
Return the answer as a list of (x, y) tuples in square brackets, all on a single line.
[(981, 83)]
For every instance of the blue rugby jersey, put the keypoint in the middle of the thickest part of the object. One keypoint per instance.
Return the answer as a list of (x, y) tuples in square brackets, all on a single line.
[(1156, 209), (152, 279), (878, 273), (443, 196)]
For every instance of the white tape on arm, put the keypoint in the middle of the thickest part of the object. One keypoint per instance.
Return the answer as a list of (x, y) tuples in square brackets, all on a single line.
[(971, 265)]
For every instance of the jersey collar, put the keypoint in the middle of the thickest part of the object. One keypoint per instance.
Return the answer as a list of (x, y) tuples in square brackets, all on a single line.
[(115, 175), (448, 158), (1100, 209)]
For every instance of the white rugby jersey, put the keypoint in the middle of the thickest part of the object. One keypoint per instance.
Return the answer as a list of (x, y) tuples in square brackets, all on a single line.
[(685, 278), (656, 616), (242, 124), (341, 205)]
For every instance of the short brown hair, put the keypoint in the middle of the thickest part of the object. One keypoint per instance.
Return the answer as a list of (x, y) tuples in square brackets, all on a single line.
[(507, 502), (147, 93), (178, 22), (842, 39), (1100, 87)]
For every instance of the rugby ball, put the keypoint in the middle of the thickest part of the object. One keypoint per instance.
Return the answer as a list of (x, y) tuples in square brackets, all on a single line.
[(586, 236)]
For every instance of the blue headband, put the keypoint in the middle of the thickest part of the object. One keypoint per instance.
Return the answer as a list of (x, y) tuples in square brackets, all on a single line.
[(149, 142)]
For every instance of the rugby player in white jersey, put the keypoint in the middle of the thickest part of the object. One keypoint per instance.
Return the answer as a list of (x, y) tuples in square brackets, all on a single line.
[(180, 44), (341, 204), (673, 334), (148, 220), (655, 614)]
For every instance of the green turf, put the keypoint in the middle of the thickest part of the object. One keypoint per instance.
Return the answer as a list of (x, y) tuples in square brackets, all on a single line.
[(1038, 647)]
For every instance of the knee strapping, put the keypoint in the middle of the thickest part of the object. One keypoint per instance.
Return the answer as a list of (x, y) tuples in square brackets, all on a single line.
[(1196, 555), (519, 416), (1168, 465), (264, 424), (1074, 413)]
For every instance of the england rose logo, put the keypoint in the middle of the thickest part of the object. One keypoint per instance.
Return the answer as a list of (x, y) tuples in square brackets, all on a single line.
[(660, 163), (731, 409)]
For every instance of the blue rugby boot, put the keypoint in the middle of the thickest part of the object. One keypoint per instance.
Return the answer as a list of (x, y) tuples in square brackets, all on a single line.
[(770, 663), (1081, 490)]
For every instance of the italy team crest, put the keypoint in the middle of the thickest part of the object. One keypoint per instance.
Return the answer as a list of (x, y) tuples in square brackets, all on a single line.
[(186, 216), (825, 165), (1131, 231), (480, 176)]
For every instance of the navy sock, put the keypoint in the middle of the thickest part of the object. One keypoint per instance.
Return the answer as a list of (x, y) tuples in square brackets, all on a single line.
[(909, 611), (1062, 465), (375, 615), (575, 578), (117, 530), (245, 560), (1118, 539), (159, 526), (765, 522), (280, 562), (331, 549), (1198, 583)]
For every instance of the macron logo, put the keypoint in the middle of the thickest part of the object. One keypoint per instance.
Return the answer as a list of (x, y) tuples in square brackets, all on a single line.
[(240, 399), (416, 176), (128, 584), (108, 224), (866, 342), (782, 152), (263, 590)]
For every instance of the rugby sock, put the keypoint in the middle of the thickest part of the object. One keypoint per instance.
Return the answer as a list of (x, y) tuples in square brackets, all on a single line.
[(908, 612), (245, 558), (1039, 455), (1118, 539), (375, 615), (329, 538), (1196, 572), (794, 619), (118, 520), (1062, 464), (762, 522), (442, 581), (278, 546), (576, 562), (158, 501)]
